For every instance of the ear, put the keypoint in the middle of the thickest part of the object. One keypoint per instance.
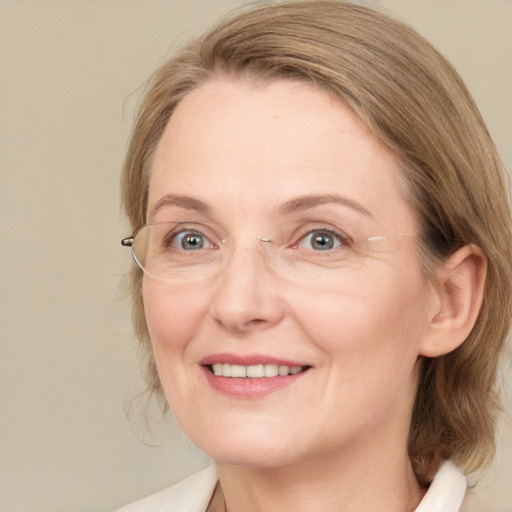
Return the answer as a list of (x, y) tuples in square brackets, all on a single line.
[(456, 301)]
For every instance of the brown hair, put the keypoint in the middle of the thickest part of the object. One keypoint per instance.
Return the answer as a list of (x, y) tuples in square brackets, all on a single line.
[(417, 105)]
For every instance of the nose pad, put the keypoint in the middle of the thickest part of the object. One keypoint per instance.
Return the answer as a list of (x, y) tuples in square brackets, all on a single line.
[(247, 291)]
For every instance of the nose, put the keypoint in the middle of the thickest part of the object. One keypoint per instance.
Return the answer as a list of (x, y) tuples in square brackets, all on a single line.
[(247, 294)]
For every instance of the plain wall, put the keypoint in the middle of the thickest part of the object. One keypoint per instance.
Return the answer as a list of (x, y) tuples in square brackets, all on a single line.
[(70, 76)]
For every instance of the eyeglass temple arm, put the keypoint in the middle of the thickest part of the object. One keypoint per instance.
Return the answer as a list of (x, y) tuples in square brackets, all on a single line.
[(127, 242)]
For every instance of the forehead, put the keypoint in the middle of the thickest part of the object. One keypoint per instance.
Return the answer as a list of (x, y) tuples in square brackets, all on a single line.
[(249, 146)]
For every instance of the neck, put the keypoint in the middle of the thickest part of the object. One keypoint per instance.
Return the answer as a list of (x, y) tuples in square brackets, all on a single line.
[(345, 482)]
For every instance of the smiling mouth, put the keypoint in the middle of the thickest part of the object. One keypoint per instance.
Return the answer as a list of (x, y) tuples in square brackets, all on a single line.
[(256, 371)]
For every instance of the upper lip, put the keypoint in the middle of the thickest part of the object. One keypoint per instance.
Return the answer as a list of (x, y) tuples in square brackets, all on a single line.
[(248, 360)]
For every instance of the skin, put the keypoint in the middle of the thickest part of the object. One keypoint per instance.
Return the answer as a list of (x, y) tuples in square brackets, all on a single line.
[(336, 439)]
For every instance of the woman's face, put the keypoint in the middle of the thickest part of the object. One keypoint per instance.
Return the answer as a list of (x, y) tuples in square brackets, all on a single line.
[(252, 160)]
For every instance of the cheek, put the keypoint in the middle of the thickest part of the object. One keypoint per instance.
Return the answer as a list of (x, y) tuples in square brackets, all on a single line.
[(369, 336), (172, 316), (371, 319)]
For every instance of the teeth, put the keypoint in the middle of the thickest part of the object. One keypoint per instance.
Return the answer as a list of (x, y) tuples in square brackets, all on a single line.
[(254, 371), (237, 370), (271, 370), (226, 370)]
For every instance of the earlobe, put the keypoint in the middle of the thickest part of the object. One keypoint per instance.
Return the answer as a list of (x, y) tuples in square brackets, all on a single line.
[(457, 301)]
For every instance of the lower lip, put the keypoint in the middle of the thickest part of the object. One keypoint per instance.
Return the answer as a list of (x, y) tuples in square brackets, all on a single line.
[(249, 387)]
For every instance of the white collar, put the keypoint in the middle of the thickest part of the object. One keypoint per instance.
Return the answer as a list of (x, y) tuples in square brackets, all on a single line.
[(446, 492)]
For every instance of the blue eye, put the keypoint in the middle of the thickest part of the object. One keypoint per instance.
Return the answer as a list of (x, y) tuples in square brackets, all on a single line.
[(322, 240), (187, 240), (190, 241)]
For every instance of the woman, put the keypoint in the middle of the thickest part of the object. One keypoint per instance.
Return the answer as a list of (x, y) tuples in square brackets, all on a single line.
[(323, 228)]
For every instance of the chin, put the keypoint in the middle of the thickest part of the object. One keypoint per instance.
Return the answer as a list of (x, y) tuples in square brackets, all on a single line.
[(250, 450)]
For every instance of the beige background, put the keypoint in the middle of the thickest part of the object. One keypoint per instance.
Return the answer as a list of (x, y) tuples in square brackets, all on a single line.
[(69, 78)]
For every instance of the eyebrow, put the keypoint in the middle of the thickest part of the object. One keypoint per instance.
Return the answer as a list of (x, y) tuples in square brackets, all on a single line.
[(294, 205), (185, 202), (310, 201)]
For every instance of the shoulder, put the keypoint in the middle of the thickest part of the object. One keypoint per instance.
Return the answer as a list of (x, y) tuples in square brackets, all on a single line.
[(190, 495)]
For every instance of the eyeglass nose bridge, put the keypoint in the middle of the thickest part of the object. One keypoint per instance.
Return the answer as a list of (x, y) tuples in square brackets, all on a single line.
[(260, 251), (267, 246)]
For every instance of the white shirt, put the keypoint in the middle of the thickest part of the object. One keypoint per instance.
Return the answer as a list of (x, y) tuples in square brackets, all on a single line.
[(445, 494)]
